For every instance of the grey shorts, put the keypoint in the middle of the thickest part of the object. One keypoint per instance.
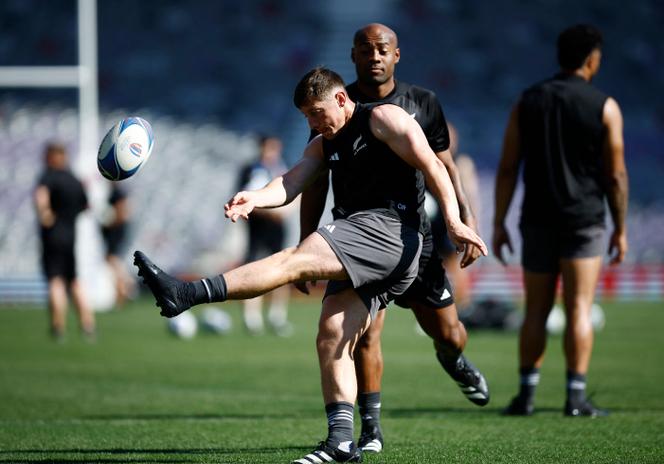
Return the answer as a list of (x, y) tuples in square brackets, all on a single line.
[(543, 247), (379, 253)]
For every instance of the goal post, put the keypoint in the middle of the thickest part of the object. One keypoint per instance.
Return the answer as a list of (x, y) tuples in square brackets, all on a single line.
[(84, 78)]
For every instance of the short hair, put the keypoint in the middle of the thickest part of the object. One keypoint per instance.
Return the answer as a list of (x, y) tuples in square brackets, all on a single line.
[(316, 85), (576, 43), (52, 148)]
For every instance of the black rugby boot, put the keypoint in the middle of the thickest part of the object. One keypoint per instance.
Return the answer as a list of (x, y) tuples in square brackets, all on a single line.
[(584, 408), (325, 452), (469, 379), (371, 439), (173, 296), (519, 406)]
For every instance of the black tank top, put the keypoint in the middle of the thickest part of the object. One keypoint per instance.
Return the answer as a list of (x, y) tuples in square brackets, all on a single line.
[(367, 174), (561, 137)]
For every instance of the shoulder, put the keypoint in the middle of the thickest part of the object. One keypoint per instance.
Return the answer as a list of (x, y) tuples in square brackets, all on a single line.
[(44, 178), (536, 88), (353, 91), (387, 120), (386, 112), (611, 112), (419, 94)]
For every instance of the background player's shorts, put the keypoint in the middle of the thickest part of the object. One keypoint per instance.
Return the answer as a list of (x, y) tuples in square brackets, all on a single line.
[(544, 246), (59, 261), (266, 237), (114, 238), (430, 287), (379, 253)]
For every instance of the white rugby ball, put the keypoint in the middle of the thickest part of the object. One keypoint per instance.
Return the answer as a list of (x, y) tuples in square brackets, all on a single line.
[(125, 148)]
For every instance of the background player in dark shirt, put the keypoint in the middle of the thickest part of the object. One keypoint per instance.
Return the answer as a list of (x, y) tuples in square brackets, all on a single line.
[(375, 53), (59, 198), (114, 232), (568, 135), (267, 235)]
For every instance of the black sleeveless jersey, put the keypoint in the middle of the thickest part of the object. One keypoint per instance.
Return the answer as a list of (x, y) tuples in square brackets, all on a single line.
[(561, 138), (367, 174), (420, 103)]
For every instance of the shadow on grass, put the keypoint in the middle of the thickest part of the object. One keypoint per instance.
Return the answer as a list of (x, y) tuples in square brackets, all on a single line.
[(476, 412), (201, 417), (127, 455), (437, 412)]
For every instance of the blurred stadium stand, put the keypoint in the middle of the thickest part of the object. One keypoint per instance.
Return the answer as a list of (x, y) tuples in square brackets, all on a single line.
[(210, 74)]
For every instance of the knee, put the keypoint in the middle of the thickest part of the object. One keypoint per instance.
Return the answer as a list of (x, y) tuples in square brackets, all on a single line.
[(535, 319), (579, 322), (330, 335)]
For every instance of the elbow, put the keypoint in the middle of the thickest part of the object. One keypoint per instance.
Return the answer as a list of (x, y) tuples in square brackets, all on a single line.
[(616, 180)]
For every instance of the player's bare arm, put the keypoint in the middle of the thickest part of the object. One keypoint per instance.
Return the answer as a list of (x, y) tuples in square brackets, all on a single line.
[(615, 173), (506, 178), (465, 211), (392, 125), (280, 190), (43, 206)]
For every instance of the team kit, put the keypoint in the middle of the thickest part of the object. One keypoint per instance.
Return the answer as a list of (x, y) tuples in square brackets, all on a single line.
[(381, 145)]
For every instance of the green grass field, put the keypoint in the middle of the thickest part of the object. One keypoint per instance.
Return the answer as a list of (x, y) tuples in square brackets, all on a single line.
[(140, 395)]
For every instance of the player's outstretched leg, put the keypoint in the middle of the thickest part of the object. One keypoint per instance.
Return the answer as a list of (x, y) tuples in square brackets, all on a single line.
[(469, 378), (324, 452), (173, 296)]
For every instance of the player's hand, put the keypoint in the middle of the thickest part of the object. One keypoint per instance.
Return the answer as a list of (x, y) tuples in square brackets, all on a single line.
[(462, 235), (501, 237), (470, 255), (303, 287), (240, 206), (617, 247)]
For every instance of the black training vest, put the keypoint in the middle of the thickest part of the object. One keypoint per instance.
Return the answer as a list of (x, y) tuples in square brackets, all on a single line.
[(561, 138), (367, 174)]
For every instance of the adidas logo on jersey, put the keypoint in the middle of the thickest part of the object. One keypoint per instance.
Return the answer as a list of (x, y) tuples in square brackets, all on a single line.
[(446, 294), (334, 157), (330, 228)]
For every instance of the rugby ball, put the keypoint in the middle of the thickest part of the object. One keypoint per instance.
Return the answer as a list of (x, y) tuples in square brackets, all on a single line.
[(125, 148)]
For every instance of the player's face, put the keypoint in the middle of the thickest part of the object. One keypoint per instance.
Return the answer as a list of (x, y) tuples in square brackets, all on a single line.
[(375, 56), (325, 116)]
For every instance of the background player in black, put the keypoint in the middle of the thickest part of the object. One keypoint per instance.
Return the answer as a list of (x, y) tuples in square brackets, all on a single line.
[(114, 232), (59, 198), (375, 53), (377, 247), (569, 137), (267, 235)]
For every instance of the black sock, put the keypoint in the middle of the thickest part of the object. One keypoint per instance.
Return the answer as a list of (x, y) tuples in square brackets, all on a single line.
[(449, 362), (369, 404), (339, 422), (576, 387), (530, 377), (209, 290)]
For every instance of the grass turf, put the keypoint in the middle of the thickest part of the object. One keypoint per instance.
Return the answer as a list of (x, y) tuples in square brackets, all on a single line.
[(141, 395)]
